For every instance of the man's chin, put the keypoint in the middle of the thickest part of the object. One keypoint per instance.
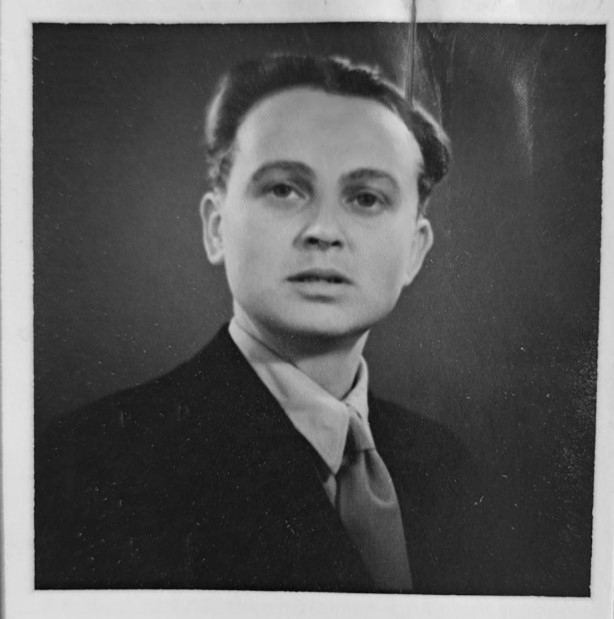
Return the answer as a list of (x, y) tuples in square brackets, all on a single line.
[(322, 330)]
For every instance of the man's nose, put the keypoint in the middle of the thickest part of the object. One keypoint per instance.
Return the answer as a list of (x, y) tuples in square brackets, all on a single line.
[(324, 228)]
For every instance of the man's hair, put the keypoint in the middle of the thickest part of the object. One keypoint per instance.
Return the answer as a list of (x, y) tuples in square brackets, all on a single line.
[(252, 81)]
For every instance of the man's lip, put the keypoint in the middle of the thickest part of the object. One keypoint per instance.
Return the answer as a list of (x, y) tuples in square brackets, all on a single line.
[(329, 275)]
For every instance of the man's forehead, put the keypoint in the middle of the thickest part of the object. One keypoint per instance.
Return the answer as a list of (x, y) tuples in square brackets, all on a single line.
[(306, 121)]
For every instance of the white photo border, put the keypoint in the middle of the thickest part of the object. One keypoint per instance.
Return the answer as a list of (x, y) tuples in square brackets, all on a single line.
[(20, 598)]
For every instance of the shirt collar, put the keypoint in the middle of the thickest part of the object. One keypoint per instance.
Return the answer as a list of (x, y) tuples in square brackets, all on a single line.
[(320, 417)]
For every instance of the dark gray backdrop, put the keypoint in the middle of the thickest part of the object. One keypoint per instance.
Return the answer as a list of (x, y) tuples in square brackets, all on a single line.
[(497, 338)]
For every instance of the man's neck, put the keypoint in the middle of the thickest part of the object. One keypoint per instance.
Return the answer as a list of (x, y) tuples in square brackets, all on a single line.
[(332, 363)]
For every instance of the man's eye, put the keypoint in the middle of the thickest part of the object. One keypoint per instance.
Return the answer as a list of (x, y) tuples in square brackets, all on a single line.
[(282, 191), (367, 199)]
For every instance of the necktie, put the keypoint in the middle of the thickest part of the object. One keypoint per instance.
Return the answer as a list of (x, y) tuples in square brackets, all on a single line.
[(369, 509)]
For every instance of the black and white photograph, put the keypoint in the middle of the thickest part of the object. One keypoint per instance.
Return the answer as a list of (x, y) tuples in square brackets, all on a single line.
[(307, 316)]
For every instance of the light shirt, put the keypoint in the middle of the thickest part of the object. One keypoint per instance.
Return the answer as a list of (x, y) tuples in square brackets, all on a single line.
[(320, 417)]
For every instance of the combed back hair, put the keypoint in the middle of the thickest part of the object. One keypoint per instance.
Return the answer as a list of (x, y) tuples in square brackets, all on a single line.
[(252, 81)]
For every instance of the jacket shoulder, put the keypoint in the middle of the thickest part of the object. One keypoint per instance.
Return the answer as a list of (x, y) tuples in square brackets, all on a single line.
[(466, 541), (423, 439), (161, 406), (112, 478)]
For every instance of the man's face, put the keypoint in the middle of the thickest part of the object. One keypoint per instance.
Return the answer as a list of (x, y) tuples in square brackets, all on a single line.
[(318, 226)]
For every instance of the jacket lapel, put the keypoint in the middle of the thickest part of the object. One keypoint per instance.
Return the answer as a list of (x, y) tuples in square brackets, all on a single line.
[(290, 535), (433, 474)]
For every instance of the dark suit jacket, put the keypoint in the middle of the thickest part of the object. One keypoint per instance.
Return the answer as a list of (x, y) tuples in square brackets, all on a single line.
[(199, 480)]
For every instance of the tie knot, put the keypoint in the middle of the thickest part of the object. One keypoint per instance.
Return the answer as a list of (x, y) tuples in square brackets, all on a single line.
[(359, 436)]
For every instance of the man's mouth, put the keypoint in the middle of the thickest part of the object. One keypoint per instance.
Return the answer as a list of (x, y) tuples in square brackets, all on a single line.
[(328, 276)]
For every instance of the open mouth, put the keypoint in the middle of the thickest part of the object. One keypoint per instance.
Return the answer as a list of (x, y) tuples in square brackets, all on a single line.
[(327, 277), (314, 278)]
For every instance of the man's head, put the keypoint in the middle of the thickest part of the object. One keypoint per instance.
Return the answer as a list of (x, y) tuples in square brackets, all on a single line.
[(319, 173), (251, 81)]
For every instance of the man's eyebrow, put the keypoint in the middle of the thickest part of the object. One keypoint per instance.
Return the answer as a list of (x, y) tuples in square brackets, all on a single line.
[(371, 174), (282, 165)]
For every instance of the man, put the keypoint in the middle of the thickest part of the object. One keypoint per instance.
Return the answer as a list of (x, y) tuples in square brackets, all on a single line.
[(264, 462)]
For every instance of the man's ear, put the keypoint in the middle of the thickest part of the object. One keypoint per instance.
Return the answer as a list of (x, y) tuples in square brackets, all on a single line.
[(211, 215), (422, 242)]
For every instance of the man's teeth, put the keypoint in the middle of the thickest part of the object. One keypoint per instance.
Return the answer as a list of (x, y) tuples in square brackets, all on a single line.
[(318, 278)]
